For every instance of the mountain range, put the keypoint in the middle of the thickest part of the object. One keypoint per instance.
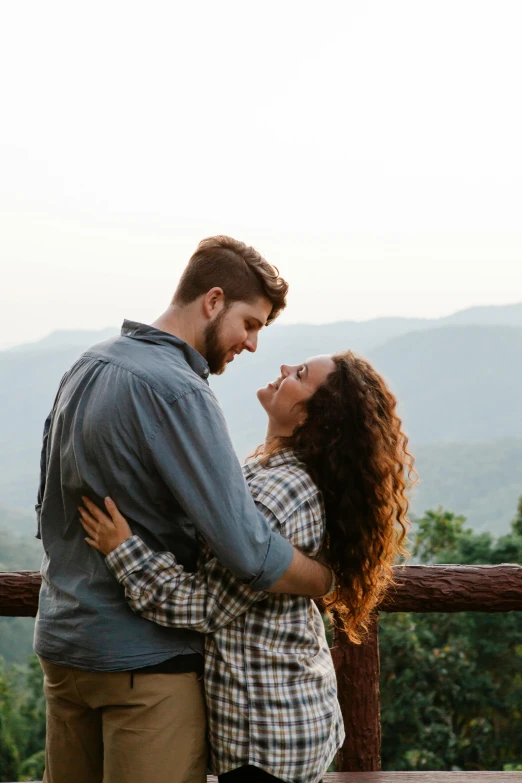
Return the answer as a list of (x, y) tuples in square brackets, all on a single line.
[(358, 335), (457, 379)]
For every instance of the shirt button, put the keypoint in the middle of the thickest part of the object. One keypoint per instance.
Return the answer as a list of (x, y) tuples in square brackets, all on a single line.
[(205, 372)]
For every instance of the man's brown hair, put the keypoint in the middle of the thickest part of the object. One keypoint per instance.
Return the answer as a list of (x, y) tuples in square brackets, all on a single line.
[(238, 269)]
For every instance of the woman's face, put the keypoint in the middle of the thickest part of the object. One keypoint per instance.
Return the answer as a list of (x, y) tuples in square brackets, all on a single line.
[(282, 399)]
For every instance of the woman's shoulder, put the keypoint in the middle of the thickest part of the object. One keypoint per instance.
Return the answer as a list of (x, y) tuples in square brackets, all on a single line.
[(282, 483)]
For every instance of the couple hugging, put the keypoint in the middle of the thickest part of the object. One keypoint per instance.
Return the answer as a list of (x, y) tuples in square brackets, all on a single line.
[(183, 610)]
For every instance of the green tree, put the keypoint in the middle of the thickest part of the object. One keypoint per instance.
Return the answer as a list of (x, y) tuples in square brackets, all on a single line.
[(9, 753), (451, 684), (517, 521), (438, 532), (22, 721)]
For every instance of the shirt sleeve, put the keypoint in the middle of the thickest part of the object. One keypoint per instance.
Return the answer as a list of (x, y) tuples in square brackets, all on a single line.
[(193, 453), (43, 474), (159, 589), (43, 460)]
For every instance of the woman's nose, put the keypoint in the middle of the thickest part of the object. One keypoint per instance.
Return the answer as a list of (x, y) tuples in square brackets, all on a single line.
[(285, 370)]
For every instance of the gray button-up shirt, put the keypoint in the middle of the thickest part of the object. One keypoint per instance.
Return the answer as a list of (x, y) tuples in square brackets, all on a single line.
[(134, 418)]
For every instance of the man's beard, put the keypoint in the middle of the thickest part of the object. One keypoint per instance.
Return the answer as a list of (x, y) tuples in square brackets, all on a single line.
[(215, 353)]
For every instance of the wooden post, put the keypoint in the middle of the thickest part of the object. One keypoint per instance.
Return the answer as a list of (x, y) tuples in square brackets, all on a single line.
[(358, 670)]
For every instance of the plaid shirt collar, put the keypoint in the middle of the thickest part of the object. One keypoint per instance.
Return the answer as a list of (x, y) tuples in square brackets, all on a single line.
[(285, 456)]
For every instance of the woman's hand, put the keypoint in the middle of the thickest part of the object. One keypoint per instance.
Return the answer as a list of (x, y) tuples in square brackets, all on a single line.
[(104, 532)]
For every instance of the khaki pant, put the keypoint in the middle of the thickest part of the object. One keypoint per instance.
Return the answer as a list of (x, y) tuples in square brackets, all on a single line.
[(100, 730)]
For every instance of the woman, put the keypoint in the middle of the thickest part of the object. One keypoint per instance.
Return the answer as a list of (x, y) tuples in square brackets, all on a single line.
[(331, 476)]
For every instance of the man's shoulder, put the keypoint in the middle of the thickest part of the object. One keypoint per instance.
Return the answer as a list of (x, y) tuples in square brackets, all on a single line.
[(167, 374)]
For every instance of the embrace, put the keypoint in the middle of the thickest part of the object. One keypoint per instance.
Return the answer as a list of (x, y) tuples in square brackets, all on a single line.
[(177, 626)]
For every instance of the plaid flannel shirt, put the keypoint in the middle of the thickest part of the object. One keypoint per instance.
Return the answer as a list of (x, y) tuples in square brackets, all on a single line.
[(269, 679)]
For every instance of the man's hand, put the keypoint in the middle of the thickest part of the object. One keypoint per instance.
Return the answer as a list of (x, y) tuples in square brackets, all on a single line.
[(304, 577), (105, 533)]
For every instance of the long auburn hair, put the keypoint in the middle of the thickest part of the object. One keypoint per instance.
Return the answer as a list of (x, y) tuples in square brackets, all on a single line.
[(354, 448)]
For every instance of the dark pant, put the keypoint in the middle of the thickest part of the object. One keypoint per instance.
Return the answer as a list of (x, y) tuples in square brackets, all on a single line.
[(248, 775)]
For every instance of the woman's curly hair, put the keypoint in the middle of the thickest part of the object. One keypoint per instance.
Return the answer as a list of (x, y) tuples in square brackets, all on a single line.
[(353, 446)]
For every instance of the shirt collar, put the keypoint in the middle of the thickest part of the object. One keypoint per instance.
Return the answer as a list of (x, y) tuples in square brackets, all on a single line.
[(150, 334), (285, 456)]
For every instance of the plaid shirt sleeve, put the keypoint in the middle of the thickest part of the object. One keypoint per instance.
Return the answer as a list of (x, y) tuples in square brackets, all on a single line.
[(160, 589)]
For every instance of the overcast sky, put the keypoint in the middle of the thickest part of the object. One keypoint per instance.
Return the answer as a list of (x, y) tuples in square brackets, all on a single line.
[(370, 148)]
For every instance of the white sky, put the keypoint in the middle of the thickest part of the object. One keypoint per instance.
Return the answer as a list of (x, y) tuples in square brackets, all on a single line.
[(372, 149)]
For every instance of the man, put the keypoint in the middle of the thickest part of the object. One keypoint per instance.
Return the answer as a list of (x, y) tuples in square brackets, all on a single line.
[(134, 418)]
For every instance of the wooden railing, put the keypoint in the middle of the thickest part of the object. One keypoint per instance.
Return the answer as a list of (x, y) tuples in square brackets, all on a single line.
[(418, 588)]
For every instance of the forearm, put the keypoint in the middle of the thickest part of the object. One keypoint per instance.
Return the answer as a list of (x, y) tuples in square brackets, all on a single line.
[(304, 577), (159, 589)]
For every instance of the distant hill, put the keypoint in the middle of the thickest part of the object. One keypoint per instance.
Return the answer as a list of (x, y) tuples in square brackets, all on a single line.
[(64, 338), (458, 383), (497, 315), (28, 386), (19, 524), (18, 554), (455, 383), (358, 335), (482, 481)]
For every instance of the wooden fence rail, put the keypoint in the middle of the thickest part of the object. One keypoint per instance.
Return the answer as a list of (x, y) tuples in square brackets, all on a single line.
[(416, 777), (441, 588)]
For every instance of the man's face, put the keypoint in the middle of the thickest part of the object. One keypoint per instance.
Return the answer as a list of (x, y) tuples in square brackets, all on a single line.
[(233, 330)]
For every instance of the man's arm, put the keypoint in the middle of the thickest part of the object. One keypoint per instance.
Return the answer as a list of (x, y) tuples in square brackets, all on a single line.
[(192, 452), (304, 572)]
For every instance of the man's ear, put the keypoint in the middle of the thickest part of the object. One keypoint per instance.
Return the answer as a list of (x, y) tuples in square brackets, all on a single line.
[(213, 302)]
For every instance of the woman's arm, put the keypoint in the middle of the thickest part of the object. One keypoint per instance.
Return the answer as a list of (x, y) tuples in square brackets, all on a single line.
[(160, 589), (156, 586)]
